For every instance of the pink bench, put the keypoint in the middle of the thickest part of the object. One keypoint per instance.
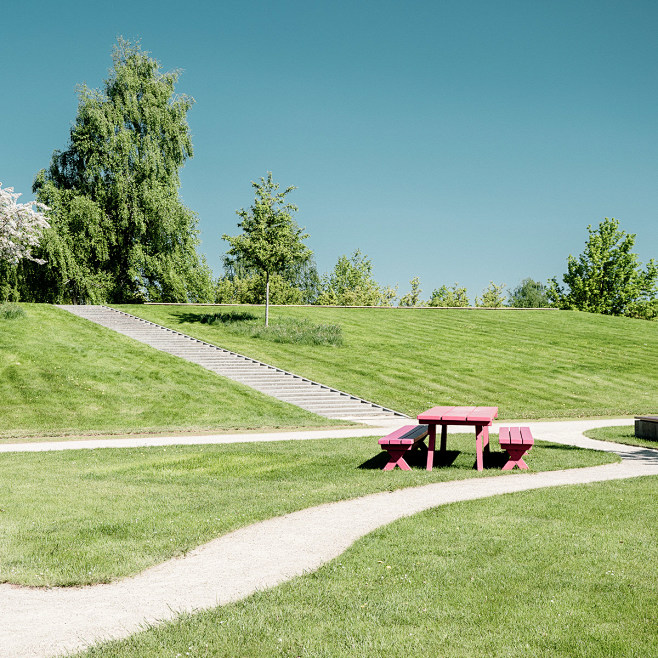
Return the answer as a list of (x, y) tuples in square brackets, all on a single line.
[(516, 441), (400, 442)]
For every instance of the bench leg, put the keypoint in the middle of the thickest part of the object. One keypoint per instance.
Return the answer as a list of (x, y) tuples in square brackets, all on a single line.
[(431, 445), (516, 458), (396, 458), (444, 438)]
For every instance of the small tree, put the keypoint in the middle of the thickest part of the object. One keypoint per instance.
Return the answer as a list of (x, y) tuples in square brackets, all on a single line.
[(270, 241), (21, 227), (453, 297), (607, 277), (492, 297), (412, 298), (351, 284), (529, 294)]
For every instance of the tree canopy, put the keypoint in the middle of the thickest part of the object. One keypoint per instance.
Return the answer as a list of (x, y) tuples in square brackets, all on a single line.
[(21, 227), (492, 297), (412, 298), (351, 283), (21, 230), (271, 241), (529, 294), (119, 230), (607, 277), (456, 296)]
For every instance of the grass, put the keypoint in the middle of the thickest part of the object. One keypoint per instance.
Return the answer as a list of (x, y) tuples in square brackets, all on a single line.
[(88, 516), (531, 364), (61, 375), (288, 330), (567, 572), (621, 434)]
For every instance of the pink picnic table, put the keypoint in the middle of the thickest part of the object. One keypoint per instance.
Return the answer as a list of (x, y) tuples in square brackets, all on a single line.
[(479, 417)]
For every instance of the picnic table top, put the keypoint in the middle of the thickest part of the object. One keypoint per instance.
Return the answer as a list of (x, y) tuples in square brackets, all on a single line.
[(473, 415)]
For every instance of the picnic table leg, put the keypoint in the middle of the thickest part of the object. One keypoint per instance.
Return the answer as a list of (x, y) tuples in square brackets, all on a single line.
[(431, 444), (479, 437), (444, 437), (486, 440)]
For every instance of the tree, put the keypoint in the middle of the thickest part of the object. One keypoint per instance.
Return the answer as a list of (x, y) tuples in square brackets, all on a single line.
[(242, 284), (21, 227), (492, 297), (529, 294), (607, 277), (21, 230), (270, 241), (452, 297), (412, 298), (351, 284), (120, 231)]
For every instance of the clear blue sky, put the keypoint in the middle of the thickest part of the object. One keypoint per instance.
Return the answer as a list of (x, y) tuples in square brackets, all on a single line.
[(459, 140)]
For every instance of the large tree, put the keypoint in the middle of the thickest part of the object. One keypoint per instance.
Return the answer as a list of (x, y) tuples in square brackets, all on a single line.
[(271, 241), (607, 277), (119, 230)]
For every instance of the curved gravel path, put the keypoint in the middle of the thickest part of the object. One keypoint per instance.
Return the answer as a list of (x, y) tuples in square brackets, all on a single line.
[(47, 622)]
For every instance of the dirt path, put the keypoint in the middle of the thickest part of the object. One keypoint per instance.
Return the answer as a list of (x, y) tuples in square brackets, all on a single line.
[(38, 622)]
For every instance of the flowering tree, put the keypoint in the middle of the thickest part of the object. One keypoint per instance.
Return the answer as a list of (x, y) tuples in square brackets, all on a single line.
[(21, 227)]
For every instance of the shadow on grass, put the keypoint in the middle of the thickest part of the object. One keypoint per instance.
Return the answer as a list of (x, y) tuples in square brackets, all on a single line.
[(227, 317), (415, 459)]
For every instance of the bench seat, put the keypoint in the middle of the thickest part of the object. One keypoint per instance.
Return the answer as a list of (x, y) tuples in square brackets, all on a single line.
[(516, 441), (401, 441)]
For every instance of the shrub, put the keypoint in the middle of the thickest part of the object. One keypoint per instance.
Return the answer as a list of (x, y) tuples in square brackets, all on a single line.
[(453, 297), (10, 311), (492, 297), (299, 332)]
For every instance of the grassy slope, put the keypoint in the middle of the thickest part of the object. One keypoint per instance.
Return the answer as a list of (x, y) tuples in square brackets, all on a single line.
[(61, 374), (85, 516), (574, 575), (621, 434), (531, 364)]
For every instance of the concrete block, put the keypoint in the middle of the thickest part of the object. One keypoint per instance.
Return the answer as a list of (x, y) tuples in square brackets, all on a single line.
[(646, 427)]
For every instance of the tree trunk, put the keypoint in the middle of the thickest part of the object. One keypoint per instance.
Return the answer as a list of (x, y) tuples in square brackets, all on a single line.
[(267, 299)]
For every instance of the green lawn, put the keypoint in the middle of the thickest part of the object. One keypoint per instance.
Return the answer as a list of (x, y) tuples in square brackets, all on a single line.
[(531, 364), (86, 516), (621, 434), (567, 572), (60, 375)]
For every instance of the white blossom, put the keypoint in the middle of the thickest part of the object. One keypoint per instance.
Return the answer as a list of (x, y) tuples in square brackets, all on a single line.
[(21, 226)]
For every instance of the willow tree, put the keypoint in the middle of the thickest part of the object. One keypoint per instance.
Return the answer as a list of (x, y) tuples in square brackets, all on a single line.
[(271, 241), (119, 230)]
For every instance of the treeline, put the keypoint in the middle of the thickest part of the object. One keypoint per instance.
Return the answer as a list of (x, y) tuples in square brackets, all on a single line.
[(352, 283), (111, 227)]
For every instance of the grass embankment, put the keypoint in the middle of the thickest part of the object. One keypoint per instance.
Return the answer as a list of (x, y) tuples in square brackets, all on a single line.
[(621, 434), (572, 575), (531, 364), (87, 516), (60, 375)]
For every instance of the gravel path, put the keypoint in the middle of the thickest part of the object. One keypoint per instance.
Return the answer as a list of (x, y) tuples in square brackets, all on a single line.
[(47, 622)]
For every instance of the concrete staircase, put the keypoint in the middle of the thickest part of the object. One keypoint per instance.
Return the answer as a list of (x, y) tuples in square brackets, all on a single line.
[(286, 386)]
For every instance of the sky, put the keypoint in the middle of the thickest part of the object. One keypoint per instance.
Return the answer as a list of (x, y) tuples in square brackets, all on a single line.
[(458, 141)]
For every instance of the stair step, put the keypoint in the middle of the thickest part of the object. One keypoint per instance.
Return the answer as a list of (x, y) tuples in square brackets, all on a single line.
[(265, 378)]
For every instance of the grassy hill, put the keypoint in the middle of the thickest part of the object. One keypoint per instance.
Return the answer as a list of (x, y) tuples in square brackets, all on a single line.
[(60, 374), (531, 364)]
